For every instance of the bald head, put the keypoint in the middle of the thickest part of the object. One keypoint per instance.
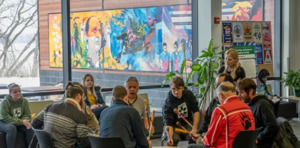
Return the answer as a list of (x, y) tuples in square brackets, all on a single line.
[(225, 90)]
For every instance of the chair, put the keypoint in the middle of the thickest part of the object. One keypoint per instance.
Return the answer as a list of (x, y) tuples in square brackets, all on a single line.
[(44, 138), (97, 142), (246, 139)]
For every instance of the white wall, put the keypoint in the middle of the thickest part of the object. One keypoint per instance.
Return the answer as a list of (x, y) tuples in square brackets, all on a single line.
[(207, 10), (290, 37)]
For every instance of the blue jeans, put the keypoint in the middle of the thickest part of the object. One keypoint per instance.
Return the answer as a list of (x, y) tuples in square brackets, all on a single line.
[(97, 111), (11, 133)]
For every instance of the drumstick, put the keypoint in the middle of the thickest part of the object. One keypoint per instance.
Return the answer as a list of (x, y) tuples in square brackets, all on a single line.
[(179, 124), (181, 131), (184, 119), (152, 119)]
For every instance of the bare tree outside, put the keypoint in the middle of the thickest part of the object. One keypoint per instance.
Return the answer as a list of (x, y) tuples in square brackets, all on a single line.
[(19, 53)]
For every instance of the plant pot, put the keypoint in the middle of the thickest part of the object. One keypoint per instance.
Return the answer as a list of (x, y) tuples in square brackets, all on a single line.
[(297, 92)]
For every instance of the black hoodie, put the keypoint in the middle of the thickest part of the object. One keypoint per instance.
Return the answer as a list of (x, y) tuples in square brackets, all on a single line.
[(265, 118), (186, 105)]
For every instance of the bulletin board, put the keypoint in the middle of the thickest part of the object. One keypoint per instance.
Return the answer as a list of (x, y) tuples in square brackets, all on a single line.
[(253, 41)]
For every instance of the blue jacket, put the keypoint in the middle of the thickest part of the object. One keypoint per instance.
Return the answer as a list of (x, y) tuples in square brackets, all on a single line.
[(121, 120), (99, 99)]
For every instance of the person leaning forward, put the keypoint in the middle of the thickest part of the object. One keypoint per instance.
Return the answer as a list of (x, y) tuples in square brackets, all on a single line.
[(185, 102), (227, 120), (65, 122), (121, 120)]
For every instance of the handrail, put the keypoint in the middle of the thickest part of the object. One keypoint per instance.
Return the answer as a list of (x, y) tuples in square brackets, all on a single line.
[(60, 92)]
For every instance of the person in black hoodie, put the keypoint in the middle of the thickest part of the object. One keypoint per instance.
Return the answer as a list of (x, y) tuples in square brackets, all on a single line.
[(262, 110), (185, 102)]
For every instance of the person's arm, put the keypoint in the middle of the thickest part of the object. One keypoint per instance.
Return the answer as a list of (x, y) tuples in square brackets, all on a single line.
[(208, 115), (38, 121), (215, 128), (269, 120), (26, 111), (82, 132), (240, 74), (140, 137), (5, 114), (196, 115), (99, 96)]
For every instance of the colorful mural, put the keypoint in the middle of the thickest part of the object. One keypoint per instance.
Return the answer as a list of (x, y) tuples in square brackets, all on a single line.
[(140, 39), (242, 10)]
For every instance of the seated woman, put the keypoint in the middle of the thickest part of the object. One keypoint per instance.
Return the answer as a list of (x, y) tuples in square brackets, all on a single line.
[(261, 83), (93, 98), (15, 116), (232, 66)]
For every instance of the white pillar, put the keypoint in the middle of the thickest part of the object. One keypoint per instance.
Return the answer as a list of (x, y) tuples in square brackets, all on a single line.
[(207, 10)]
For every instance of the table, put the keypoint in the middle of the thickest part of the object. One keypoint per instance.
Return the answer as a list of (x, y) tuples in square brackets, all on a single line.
[(36, 91), (3, 86), (42, 88), (298, 103)]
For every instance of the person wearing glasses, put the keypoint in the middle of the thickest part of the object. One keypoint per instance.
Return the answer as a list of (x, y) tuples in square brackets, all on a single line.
[(185, 102)]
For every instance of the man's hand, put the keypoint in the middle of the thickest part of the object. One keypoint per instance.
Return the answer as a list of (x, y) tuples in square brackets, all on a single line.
[(94, 106), (195, 136), (27, 124), (170, 142), (193, 132), (149, 142)]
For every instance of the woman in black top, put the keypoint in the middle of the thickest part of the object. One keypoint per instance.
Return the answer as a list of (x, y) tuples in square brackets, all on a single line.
[(232, 66)]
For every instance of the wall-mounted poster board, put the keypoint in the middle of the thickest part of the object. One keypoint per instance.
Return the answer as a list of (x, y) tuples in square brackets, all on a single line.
[(253, 41), (140, 39)]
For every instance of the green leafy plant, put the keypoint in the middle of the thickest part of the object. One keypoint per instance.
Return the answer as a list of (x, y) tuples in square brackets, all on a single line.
[(292, 79), (205, 68)]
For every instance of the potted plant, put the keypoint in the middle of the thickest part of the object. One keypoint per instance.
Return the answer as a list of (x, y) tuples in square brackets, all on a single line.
[(205, 67), (292, 79)]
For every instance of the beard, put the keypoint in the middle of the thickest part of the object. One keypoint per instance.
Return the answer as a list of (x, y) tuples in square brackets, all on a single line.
[(94, 45), (246, 99)]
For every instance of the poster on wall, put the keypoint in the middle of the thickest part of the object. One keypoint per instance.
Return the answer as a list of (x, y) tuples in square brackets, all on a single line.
[(259, 54), (256, 32), (247, 59), (242, 10), (267, 42), (227, 30), (247, 30), (139, 39), (237, 32)]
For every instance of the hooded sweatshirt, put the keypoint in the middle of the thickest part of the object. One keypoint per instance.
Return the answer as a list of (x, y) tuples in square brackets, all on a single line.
[(186, 105), (14, 111)]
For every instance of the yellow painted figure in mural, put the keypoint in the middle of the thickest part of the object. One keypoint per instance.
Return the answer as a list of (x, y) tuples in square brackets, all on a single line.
[(241, 13)]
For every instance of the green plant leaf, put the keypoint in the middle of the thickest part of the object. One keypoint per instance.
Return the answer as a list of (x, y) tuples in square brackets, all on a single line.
[(182, 66), (170, 75), (196, 67)]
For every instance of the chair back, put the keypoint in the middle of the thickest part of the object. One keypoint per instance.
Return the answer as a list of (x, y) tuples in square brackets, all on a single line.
[(44, 138), (246, 139), (115, 142)]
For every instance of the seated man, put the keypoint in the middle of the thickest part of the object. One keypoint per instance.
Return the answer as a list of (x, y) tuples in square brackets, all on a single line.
[(185, 102), (228, 119), (262, 111), (64, 121), (223, 77), (121, 120)]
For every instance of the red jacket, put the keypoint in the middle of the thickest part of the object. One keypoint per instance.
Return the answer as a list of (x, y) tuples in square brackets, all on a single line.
[(227, 121)]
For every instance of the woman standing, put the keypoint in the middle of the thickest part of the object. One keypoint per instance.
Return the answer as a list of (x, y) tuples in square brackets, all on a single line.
[(93, 98), (261, 85), (15, 116), (232, 66)]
